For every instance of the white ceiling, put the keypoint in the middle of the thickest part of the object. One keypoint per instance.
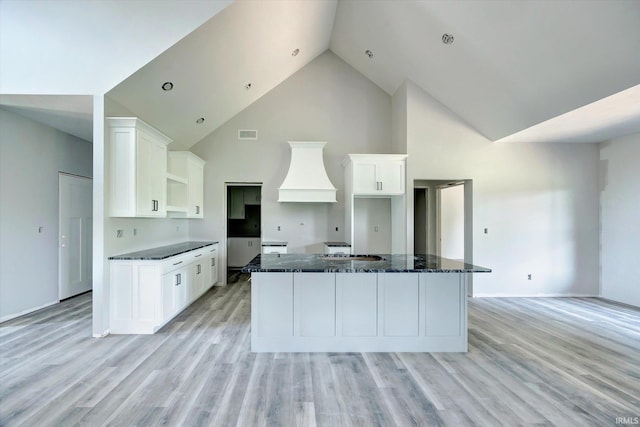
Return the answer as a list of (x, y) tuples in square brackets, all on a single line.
[(513, 64), (248, 42), (536, 71), (72, 114)]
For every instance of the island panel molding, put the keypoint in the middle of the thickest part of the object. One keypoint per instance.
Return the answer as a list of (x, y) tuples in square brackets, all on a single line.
[(346, 312)]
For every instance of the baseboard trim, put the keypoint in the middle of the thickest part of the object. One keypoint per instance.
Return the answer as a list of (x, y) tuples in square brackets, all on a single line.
[(27, 311), (624, 304), (535, 296)]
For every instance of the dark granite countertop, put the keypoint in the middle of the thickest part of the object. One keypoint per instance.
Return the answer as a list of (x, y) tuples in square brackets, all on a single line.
[(337, 244), (275, 243), (163, 252), (271, 263)]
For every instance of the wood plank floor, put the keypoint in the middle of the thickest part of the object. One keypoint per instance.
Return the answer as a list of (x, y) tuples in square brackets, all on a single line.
[(546, 361)]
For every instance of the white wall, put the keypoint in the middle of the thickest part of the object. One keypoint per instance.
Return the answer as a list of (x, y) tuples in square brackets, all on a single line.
[(538, 201), (620, 219), (31, 155), (327, 100)]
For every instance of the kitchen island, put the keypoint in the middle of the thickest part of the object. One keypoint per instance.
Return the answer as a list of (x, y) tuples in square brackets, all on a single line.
[(369, 303)]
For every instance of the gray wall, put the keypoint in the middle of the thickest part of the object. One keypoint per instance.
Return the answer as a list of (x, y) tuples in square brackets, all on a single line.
[(327, 100), (31, 155), (538, 201), (620, 219)]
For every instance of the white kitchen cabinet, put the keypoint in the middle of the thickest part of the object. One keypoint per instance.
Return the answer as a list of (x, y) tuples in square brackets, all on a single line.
[(241, 250), (370, 181), (376, 174), (211, 266), (137, 168), (185, 180), (274, 247), (343, 249), (196, 278), (174, 292), (146, 294)]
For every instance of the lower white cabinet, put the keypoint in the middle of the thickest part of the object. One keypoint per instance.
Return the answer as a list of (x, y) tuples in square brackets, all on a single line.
[(241, 250), (211, 266), (145, 295)]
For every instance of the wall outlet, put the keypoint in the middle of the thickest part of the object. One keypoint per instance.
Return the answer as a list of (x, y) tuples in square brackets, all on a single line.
[(40, 229), (336, 228), (486, 231), (119, 233), (278, 228), (529, 276)]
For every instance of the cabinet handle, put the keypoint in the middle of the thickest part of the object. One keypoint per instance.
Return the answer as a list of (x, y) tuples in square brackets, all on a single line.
[(213, 262), (196, 256), (197, 209), (178, 279), (380, 185), (176, 263), (198, 269)]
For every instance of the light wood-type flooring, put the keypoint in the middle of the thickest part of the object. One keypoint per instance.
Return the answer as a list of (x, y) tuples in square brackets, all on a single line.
[(546, 361)]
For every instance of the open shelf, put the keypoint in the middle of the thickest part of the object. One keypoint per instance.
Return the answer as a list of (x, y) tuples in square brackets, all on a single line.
[(176, 178)]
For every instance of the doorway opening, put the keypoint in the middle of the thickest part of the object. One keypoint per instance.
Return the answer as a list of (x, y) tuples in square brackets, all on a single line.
[(443, 219), (243, 226)]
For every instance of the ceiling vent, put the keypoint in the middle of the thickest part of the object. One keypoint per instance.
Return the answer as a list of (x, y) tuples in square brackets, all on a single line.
[(248, 134), (307, 180)]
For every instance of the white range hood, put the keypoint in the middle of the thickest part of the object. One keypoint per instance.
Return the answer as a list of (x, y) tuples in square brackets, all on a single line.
[(307, 180)]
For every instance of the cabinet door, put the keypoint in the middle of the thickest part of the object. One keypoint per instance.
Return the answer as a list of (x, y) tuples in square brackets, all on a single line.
[(390, 177), (212, 266), (195, 197), (252, 195), (236, 203), (151, 184), (180, 283), (364, 178), (168, 295), (196, 279)]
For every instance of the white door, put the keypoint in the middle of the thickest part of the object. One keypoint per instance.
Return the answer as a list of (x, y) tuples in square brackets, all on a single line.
[(75, 235)]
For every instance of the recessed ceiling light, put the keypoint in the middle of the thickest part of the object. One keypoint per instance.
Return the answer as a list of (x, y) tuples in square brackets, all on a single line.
[(295, 52), (200, 120), (447, 38), (247, 86), (167, 86), (369, 53)]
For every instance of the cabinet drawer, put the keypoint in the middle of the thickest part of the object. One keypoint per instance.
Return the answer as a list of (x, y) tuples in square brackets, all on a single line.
[(175, 262), (274, 249)]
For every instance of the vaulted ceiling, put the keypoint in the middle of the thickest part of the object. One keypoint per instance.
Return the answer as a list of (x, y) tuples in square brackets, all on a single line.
[(547, 71)]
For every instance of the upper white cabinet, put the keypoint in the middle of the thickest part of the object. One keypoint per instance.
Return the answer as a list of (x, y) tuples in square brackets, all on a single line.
[(375, 202), (185, 183), (376, 174), (137, 168)]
